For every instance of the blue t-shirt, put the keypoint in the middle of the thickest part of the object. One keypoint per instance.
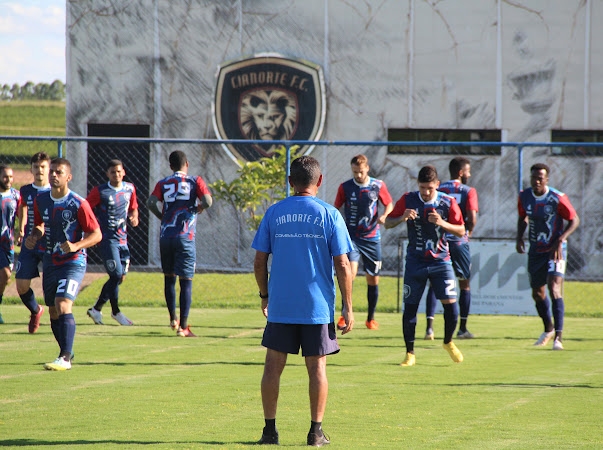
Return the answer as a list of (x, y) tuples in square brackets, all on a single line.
[(303, 234), (9, 203), (111, 206)]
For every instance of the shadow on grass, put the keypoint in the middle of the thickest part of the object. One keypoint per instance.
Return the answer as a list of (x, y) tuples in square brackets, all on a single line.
[(64, 443)]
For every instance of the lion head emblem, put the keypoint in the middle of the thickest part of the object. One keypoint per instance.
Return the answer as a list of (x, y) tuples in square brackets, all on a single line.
[(268, 115)]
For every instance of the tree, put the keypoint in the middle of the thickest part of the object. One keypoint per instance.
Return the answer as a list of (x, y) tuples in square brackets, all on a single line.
[(259, 185)]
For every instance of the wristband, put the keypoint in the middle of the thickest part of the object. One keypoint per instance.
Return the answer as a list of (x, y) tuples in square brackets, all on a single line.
[(263, 297)]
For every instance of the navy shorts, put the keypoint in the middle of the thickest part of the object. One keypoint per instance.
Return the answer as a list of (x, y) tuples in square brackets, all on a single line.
[(460, 255), (314, 340), (178, 256), (371, 255), (540, 266), (62, 281), (27, 264), (116, 258), (7, 259), (440, 275)]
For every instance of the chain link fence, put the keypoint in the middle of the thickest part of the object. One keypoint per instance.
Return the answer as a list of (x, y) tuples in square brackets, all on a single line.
[(224, 238)]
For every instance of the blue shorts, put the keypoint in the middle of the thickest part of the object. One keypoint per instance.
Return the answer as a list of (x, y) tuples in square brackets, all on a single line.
[(116, 258), (371, 255), (7, 259), (178, 257), (314, 340), (27, 264), (62, 281), (540, 266), (440, 275), (460, 255)]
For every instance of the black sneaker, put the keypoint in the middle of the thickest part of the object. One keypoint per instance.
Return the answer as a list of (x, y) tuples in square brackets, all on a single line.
[(318, 440), (268, 439)]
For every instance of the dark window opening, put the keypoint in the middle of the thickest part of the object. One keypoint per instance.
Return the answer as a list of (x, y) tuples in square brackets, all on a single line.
[(443, 135), (135, 157), (577, 136)]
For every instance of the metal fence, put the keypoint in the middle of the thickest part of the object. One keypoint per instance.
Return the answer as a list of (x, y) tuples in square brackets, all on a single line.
[(223, 237)]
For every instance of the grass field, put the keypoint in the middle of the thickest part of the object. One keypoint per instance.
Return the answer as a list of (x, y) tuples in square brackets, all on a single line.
[(212, 290), (142, 387)]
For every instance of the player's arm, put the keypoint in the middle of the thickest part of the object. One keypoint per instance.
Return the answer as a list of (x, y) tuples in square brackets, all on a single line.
[(153, 205), (522, 224), (455, 223), (204, 202), (90, 239), (38, 229), (472, 209), (399, 214), (133, 217), (260, 270), (386, 200), (571, 226), (471, 221), (22, 216), (343, 270), (388, 209)]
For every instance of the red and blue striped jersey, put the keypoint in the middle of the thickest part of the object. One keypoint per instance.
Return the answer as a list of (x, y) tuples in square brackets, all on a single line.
[(426, 241), (361, 207), (10, 201), (64, 219), (466, 197), (179, 193), (545, 215), (111, 206)]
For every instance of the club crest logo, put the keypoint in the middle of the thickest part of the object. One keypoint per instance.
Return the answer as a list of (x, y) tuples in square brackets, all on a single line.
[(268, 97)]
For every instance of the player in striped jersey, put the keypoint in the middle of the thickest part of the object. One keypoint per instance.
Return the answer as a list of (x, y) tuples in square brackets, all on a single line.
[(29, 260), (460, 254), (544, 209)]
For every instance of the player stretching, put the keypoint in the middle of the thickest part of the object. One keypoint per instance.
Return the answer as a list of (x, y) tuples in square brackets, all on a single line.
[(361, 196), (68, 224), (10, 200), (545, 209), (429, 214), (114, 203), (183, 197), (29, 260), (460, 254)]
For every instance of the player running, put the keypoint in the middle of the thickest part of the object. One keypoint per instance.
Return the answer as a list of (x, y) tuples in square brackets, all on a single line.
[(460, 253), (29, 260), (361, 196), (69, 226), (114, 203), (182, 196), (10, 200), (544, 209), (428, 214)]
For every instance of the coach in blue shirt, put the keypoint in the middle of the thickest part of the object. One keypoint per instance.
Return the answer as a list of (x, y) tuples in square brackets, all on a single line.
[(306, 238)]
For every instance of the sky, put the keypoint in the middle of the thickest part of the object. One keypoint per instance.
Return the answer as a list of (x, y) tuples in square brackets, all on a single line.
[(32, 41)]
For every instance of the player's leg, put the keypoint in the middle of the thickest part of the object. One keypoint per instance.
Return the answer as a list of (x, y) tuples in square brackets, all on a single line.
[(185, 269), (168, 256), (4, 277), (443, 280), (318, 341), (430, 309), (121, 271), (69, 280), (415, 278), (27, 268), (556, 273), (537, 271), (371, 258), (110, 257), (279, 340), (460, 256)]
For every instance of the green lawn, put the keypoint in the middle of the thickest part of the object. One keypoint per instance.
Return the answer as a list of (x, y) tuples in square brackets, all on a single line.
[(142, 387)]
